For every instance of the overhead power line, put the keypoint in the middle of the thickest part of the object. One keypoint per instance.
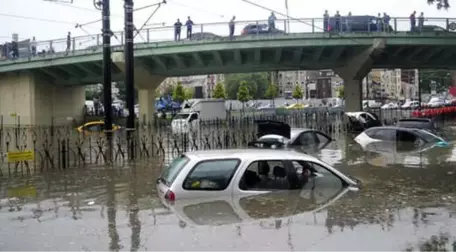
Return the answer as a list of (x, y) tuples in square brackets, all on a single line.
[(38, 19)]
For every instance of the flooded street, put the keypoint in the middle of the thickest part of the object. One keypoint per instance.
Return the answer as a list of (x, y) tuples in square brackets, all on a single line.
[(407, 202)]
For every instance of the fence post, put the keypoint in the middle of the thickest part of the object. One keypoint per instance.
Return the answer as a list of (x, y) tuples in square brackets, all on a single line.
[(74, 45), (63, 155), (395, 24), (313, 26), (148, 35)]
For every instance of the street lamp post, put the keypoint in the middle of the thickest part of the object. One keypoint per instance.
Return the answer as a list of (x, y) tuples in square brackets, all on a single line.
[(129, 75), (104, 5)]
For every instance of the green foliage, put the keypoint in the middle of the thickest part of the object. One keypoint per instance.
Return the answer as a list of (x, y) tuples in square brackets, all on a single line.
[(272, 91), (440, 3), (340, 92), (442, 79), (297, 92), (189, 93), (243, 94), (179, 93), (219, 91), (257, 84)]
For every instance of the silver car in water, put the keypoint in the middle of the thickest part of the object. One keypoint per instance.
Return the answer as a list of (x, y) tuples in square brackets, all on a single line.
[(218, 173)]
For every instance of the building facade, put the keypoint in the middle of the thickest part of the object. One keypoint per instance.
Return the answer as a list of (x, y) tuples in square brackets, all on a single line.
[(202, 85)]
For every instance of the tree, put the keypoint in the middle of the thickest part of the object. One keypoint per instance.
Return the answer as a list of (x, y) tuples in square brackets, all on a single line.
[(257, 84), (243, 94), (297, 93), (440, 79), (272, 92), (179, 93), (189, 93), (340, 92), (219, 91), (440, 3)]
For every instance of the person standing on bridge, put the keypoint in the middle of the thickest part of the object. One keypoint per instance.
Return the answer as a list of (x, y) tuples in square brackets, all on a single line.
[(337, 23), (271, 22), (326, 21), (413, 22), (68, 42), (189, 25), (421, 22), (379, 22), (177, 30), (386, 22), (33, 47), (348, 22), (231, 26)]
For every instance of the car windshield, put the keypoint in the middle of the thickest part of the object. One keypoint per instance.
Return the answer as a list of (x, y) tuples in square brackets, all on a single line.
[(171, 172), (429, 137), (181, 116), (272, 140)]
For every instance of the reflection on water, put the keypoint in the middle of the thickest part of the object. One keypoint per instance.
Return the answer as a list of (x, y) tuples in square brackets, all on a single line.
[(397, 208)]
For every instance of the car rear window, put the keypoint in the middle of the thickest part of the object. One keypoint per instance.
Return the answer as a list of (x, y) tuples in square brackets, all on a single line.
[(212, 175), (171, 172)]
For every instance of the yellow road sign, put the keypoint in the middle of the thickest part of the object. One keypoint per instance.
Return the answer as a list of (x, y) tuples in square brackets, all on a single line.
[(22, 192), (21, 156)]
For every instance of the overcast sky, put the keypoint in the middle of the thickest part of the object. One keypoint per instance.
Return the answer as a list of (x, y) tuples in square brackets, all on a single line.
[(201, 11)]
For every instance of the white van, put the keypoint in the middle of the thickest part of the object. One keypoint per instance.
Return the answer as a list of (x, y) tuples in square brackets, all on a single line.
[(203, 110)]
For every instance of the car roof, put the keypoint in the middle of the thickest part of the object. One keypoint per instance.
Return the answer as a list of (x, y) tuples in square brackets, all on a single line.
[(394, 128), (247, 154)]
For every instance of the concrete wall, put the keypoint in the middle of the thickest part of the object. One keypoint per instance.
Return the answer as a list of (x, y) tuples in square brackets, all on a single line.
[(37, 101)]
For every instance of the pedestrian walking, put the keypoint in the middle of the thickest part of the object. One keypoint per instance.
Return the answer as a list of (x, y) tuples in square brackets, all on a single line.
[(337, 23), (231, 27), (326, 21), (421, 22), (177, 30), (413, 21), (68, 42), (189, 25)]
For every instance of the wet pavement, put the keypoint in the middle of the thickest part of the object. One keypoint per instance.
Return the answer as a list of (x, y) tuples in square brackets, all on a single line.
[(407, 202)]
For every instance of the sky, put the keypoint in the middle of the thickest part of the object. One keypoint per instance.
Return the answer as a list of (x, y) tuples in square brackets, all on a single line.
[(201, 11)]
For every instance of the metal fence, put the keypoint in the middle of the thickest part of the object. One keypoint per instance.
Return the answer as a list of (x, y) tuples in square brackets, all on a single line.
[(220, 31), (62, 147)]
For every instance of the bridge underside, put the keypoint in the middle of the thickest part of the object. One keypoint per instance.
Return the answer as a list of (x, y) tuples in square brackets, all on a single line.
[(260, 59)]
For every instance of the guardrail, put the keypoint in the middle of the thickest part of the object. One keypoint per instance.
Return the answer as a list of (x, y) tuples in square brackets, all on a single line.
[(221, 31)]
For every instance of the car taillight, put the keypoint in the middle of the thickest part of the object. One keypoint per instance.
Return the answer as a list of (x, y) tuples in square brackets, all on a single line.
[(170, 196), (330, 28), (244, 32)]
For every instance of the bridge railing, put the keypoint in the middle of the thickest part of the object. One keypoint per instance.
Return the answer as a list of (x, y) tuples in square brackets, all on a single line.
[(220, 31)]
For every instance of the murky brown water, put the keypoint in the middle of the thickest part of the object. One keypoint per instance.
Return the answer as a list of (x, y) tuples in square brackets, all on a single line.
[(407, 202)]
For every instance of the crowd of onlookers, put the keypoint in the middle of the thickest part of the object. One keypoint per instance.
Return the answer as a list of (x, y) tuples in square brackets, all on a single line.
[(11, 50)]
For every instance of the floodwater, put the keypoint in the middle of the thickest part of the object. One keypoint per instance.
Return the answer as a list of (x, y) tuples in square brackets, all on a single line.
[(407, 202)]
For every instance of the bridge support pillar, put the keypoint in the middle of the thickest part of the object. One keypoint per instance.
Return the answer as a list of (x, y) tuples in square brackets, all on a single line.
[(146, 84), (354, 72), (32, 99)]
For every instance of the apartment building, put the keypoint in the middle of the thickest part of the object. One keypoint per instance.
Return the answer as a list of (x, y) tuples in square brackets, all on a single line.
[(203, 85)]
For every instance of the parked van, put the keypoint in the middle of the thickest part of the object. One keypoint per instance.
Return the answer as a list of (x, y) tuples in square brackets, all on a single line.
[(357, 24), (201, 110)]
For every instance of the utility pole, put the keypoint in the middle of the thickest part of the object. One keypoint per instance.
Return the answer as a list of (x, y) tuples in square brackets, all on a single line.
[(107, 64), (129, 75)]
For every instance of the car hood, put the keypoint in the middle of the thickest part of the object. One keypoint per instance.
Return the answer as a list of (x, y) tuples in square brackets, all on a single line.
[(269, 127)]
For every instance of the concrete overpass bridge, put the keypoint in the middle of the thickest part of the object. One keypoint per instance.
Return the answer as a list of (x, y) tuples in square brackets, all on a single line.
[(51, 84)]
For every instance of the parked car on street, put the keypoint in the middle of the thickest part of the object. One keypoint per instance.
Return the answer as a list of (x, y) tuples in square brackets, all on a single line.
[(410, 137), (357, 24), (436, 102), (254, 29), (95, 127), (410, 105), (275, 134), (359, 121), (417, 123), (390, 105), (224, 173)]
